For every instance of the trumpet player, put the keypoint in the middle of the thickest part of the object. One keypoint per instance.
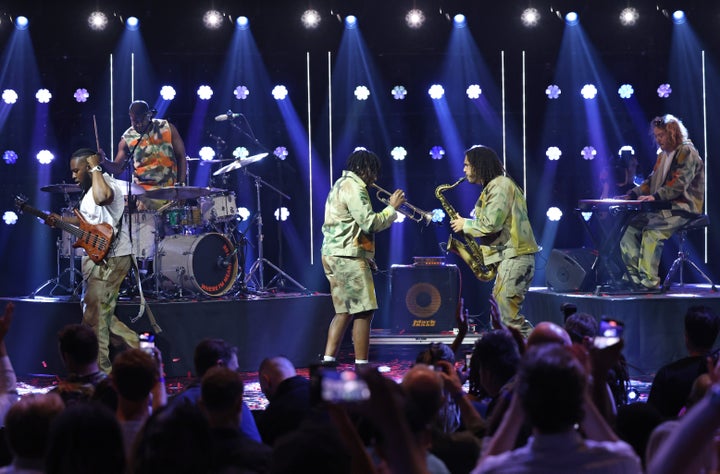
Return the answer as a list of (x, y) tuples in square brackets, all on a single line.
[(501, 222), (348, 249)]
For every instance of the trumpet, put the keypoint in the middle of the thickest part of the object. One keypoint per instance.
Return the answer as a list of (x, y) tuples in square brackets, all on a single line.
[(407, 209)]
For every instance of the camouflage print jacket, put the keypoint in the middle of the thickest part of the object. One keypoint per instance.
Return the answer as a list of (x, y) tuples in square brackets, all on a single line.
[(350, 221), (154, 160), (684, 183), (501, 212)]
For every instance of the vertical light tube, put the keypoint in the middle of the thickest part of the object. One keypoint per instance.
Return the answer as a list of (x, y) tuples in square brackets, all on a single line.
[(330, 129), (310, 159), (502, 73), (705, 140), (524, 124), (112, 114)]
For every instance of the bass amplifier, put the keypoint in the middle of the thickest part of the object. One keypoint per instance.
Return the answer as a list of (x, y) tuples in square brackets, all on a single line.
[(423, 299)]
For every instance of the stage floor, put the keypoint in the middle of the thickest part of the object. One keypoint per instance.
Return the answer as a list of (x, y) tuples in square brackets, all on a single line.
[(654, 329)]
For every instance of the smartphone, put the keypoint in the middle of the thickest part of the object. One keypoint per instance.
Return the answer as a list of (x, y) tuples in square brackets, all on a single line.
[(610, 333), (147, 342), (468, 357), (343, 387)]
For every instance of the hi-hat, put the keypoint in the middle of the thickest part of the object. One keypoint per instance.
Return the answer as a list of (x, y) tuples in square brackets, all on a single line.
[(239, 163), (176, 193), (135, 189), (61, 188)]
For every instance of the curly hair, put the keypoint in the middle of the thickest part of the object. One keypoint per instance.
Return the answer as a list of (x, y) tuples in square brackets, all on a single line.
[(364, 163), (676, 131)]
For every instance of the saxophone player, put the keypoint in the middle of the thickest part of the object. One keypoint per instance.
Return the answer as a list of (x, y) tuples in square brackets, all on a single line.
[(348, 249), (501, 222)]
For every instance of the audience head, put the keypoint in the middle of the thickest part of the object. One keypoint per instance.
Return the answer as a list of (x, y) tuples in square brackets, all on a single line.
[(547, 332), (423, 388), (134, 374), (701, 328), (84, 439), (173, 441), (436, 351), (581, 327), (27, 424), (78, 346), (494, 361), (272, 372), (212, 352), (222, 391), (551, 386)]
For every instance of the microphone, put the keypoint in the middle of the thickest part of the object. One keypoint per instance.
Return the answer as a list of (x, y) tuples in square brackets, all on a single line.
[(228, 116)]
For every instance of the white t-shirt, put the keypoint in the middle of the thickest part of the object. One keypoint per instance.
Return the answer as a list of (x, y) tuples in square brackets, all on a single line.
[(111, 214)]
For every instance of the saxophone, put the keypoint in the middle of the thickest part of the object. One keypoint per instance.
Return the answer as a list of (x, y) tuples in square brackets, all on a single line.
[(469, 251)]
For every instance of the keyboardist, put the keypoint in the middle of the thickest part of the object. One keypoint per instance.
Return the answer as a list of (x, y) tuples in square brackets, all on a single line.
[(678, 177)]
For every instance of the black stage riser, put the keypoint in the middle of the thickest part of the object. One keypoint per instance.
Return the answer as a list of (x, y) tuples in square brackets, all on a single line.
[(654, 323), (292, 326)]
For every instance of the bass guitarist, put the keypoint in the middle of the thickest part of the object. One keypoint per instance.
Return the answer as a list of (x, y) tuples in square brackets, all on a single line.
[(102, 202)]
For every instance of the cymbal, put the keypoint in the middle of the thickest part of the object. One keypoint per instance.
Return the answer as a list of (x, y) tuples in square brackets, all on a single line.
[(209, 161), (135, 188), (61, 188), (173, 193), (239, 163)]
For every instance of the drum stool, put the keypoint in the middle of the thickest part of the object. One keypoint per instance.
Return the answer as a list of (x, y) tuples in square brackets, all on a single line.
[(699, 221)]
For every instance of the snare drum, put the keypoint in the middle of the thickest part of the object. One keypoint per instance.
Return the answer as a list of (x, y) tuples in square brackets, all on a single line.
[(218, 207), (204, 263), (183, 218)]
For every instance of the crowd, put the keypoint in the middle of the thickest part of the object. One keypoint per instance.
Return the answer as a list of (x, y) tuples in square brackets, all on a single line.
[(547, 403)]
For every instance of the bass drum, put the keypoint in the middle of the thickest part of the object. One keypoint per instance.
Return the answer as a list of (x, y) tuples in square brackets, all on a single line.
[(204, 263)]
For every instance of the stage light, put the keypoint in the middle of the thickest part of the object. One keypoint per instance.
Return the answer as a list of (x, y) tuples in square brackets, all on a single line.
[(437, 152), (399, 92), (626, 91), (206, 153), (571, 18), (45, 157), (242, 23), (22, 23), (553, 91), (436, 91), (588, 153), (398, 153), (241, 152), (415, 18), (10, 218), (280, 92), (310, 19), (554, 214), (586, 215), (438, 215), (205, 92), (664, 91), (132, 23), (167, 92), (459, 21), (43, 96), (9, 96), (10, 157), (362, 93), (81, 95), (473, 91), (553, 153), (588, 91), (212, 19), (632, 395), (626, 149), (350, 22), (281, 153), (97, 21), (243, 213), (629, 16), (678, 17), (241, 92), (530, 17), (281, 214)]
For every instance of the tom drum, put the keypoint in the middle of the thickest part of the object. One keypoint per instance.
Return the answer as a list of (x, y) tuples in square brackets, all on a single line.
[(218, 207), (205, 263)]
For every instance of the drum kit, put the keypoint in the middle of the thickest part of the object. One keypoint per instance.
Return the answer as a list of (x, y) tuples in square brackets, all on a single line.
[(188, 246)]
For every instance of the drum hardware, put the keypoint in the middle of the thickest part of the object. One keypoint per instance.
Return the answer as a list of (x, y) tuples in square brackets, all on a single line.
[(256, 273), (179, 193), (75, 277)]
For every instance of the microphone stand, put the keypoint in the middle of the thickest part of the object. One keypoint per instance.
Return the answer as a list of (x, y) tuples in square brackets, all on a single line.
[(258, 266)]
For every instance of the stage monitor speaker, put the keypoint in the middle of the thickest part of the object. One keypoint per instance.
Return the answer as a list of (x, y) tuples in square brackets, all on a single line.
[(570, 270), (423, 299)]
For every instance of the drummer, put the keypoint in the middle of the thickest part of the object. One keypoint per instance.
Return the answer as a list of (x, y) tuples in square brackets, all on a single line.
[(158, 153)]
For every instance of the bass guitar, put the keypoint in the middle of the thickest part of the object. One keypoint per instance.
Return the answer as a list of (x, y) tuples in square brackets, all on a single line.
[(95, 239)]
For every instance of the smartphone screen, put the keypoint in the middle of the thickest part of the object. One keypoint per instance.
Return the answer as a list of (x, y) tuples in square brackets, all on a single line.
[(343, 387), (610, 333), (147, 342)]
